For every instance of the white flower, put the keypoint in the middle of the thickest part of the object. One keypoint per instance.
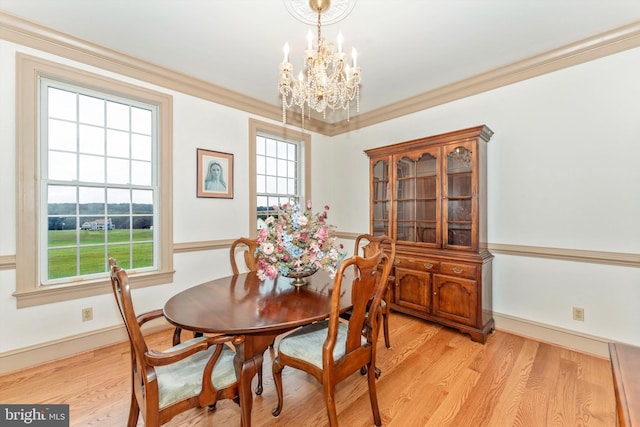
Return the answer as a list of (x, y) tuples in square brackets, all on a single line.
[(267, 248)]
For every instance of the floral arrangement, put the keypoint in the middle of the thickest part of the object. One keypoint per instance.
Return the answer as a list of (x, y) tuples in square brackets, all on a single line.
[(297, 242)]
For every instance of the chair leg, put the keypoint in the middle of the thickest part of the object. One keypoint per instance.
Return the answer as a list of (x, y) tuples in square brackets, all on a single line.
[(277, 380), (385, 327), (363, 371), (259, 386), (373, 395), (329, 397), (176, 336), (134, 411)]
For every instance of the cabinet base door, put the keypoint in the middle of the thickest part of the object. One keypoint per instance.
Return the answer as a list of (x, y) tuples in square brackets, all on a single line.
[(413, 289), (455, 299)]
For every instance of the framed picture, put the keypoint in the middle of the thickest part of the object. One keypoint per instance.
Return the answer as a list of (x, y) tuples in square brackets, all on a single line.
[(215, 174)]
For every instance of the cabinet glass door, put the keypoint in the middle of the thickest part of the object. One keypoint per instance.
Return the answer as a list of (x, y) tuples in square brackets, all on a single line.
[(417, 198), (458, 197), (380, 198)]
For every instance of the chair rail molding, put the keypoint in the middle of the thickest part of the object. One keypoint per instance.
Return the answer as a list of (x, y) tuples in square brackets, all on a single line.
[(579, 255), (7, 262)]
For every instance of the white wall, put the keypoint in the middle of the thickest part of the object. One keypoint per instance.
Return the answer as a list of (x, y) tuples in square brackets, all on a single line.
[(563, 172), (196, 124)]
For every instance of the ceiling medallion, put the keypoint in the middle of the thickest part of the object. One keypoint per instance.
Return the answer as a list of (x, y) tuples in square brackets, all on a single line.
[(304, 10)]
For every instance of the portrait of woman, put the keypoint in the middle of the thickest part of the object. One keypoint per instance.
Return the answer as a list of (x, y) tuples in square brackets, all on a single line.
[(215, 174), (214, 181)]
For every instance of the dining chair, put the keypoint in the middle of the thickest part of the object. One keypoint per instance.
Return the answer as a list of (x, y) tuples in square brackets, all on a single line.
[(331, 350), (368, 244), (249, 247), (196, 373)]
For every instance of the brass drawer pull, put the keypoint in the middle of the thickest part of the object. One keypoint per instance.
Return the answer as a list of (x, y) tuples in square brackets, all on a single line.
[(428, 265), (396, 262), (457, 270)]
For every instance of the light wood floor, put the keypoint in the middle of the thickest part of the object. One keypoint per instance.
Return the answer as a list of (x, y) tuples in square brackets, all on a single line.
[(432, 376)]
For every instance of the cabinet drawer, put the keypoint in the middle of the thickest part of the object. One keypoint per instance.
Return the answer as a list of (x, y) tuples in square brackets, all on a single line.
[(418, 264), (459, 269)]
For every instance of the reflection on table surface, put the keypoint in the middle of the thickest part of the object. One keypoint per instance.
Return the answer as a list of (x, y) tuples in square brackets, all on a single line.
[(244, 303)]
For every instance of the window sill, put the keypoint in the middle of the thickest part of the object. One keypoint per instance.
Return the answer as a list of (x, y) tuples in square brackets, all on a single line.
[(57, 293)]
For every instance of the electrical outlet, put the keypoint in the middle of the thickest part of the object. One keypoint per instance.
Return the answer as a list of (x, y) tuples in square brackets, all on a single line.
[(578, 313), (87, 314)]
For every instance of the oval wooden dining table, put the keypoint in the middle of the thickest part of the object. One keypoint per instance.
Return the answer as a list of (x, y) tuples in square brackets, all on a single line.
[(260, 310)]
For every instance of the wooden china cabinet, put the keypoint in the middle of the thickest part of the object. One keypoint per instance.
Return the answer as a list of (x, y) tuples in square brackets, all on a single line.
[(430, 196)]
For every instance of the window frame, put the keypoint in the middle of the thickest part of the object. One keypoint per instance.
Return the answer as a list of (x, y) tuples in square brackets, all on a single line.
[(258, 128), (29, 289)]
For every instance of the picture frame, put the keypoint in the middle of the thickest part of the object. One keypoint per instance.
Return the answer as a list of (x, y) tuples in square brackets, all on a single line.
[(214, 174)]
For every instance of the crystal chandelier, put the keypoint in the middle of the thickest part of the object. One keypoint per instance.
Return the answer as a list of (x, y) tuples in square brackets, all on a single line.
[(327, 80)]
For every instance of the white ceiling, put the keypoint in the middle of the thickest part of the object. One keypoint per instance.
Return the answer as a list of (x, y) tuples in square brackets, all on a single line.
[(406, 47)]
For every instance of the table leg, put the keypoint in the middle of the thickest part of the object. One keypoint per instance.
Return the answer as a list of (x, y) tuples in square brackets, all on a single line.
[(247, 361), (245, 371)]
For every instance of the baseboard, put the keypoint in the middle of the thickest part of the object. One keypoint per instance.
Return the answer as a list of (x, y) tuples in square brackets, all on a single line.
[(27, 357), (573, 340)]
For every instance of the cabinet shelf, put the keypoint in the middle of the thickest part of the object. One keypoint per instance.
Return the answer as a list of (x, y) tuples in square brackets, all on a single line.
[(418, 199)]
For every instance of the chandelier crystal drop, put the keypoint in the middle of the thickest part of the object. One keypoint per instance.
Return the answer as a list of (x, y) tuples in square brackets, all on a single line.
[(327, 80)]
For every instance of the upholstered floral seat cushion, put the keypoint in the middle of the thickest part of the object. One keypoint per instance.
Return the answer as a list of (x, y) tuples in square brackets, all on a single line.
[(306, 343), (183, 379)]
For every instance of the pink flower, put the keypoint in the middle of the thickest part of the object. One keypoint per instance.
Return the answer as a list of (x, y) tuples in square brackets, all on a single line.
[(321, 234), (262, 235), (266, 270)]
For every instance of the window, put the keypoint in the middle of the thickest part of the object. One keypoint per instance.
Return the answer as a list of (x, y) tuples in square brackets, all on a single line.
[(94, 182), (277, 173), (280, 171), (98, 177)]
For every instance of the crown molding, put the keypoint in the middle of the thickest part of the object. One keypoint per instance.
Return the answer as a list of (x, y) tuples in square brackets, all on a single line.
[(26, 33), (589, 49)]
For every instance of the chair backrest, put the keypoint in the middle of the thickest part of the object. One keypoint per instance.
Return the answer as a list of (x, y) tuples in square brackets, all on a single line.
[(370, 244), (249, 252), (193, 374), (368, 286), (122, 293)]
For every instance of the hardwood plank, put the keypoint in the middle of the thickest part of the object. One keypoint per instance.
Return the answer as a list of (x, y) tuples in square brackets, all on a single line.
[(506, 407), (432, 376)]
